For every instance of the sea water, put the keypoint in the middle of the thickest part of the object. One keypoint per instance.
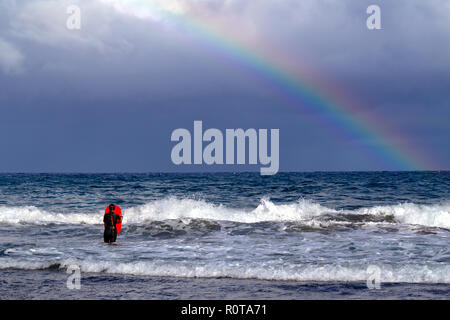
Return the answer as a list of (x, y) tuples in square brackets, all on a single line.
[(227, 235)]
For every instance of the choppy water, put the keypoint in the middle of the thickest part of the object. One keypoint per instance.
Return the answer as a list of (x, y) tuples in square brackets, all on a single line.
[(300, 227)]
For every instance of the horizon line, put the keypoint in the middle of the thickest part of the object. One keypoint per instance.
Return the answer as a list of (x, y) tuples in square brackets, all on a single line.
[(212, 172)]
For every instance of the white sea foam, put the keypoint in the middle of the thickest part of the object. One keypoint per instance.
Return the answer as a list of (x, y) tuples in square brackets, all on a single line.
[(33, 215), (171, 208), (197, 209), (436, 215), (408, 273)]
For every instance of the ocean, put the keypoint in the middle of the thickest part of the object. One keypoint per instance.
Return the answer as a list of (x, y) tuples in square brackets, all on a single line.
[(318, 235)]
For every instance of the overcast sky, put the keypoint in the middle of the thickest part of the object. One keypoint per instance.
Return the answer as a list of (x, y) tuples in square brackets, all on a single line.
[(107, 97)]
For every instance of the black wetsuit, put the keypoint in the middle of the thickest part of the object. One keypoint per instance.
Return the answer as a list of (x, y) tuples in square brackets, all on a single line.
[(110, 220)]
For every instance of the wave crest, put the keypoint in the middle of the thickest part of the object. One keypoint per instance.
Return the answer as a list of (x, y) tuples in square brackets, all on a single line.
[(411, 273), (185, 210)]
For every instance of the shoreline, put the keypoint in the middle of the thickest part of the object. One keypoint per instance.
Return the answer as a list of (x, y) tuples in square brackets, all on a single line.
[(17, 284)]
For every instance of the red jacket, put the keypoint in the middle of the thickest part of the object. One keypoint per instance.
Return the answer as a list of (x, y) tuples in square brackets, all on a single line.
[(117, 211)]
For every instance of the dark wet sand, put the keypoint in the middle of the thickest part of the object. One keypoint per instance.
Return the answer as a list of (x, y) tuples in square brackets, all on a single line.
[(52, 284)]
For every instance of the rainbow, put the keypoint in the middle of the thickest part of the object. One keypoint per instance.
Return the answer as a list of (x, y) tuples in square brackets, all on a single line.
[(338, 116)]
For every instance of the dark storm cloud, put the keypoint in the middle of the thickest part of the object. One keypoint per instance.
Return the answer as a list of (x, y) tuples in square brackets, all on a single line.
[(132, 65)]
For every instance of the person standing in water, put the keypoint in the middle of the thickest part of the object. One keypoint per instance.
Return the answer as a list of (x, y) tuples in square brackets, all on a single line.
[(112, 221)]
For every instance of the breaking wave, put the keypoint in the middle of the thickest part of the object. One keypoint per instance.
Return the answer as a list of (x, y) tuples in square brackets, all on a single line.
[(303, 211), (409, 273)]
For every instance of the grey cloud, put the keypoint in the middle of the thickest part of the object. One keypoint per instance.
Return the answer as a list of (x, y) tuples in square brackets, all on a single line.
[(133, 56), (11, 59)]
